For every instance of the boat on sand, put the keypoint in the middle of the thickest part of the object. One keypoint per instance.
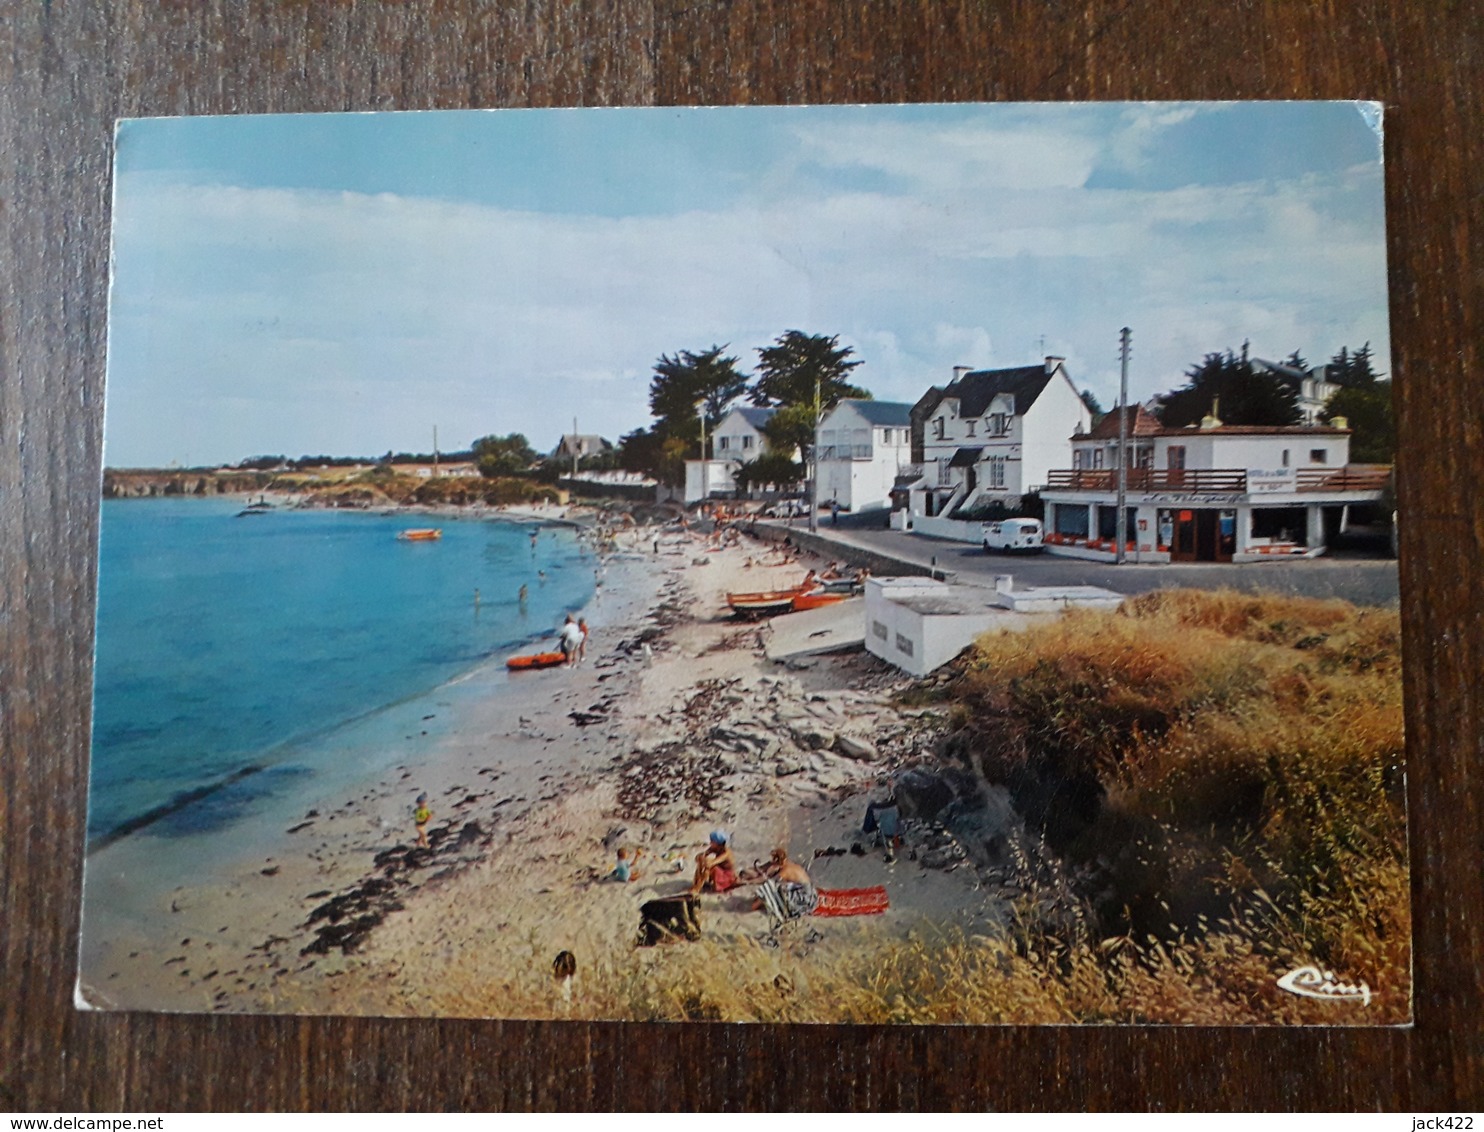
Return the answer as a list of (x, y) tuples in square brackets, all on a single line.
[(816, 598), (535, 660)]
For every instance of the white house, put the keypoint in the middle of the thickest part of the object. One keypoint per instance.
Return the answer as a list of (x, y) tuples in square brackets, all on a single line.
[(863, 447), (1311, 386), (737, 439), (1208, 493), (580, 445), (993, 435)]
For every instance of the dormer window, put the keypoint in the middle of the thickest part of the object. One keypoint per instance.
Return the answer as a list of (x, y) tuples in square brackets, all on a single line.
[(938, 428), (971, 424), (999, 423)]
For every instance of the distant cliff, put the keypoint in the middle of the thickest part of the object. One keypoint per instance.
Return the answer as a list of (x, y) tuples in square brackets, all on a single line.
[(141, 483)]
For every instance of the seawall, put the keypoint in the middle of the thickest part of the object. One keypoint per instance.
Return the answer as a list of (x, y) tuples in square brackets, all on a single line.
[(856, 556)]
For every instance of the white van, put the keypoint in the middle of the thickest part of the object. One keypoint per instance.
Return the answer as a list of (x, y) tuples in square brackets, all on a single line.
[(1014, 536)]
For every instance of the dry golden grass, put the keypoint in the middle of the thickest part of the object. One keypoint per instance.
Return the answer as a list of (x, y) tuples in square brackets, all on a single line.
[(936, 979), (1249, 751)]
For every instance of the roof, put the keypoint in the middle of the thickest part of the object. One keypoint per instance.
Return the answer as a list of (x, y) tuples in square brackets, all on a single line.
[(585, 442), (1141, 423), (754, 415), (965, 457), (1282, 369), (1254, 430), (888, 414), (975, 390)]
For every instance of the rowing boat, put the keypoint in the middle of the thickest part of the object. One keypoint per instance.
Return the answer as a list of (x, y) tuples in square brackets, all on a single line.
[(815, 599), (536, 660), (763, 597), (759, 605), (420, 534)]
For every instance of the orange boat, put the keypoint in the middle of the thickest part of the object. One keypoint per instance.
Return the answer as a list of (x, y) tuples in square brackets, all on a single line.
[(420, 534), (536, 660), (762, 597), (816, 598)]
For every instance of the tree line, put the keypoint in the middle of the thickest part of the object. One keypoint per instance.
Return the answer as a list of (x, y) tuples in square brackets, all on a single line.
[(798, 376), (1249, 393), (801, 375)]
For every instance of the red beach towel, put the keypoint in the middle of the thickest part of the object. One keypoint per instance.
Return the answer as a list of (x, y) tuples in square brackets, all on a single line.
[(851, 901)]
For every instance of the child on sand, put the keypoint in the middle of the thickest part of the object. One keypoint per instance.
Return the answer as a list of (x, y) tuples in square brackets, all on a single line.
[(624, 871), (421, 816)]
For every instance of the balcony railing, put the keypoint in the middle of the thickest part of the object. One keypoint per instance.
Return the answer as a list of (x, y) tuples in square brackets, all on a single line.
[(1216, 481), (845, 452), (1352, 477)]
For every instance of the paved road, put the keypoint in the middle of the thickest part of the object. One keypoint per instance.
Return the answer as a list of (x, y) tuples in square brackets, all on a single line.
[(1363, 579)]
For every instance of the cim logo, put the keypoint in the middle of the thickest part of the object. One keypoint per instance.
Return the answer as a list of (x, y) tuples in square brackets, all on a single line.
[(1311, 982)]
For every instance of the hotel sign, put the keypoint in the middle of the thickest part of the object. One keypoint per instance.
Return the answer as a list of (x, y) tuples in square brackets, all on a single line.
[(1271, 481)]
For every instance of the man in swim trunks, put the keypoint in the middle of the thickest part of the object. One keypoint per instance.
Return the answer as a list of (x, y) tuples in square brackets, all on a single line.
[(796, 890), (785, 871), (716, 868)]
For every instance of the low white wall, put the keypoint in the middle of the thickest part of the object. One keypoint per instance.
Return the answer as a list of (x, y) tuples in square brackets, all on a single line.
[(955, 530)]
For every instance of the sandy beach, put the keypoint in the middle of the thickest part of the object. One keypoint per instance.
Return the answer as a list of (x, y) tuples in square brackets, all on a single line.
[(675, 724)]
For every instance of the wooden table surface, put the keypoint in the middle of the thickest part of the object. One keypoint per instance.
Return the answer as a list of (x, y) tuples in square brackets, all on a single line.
[(68, 68)]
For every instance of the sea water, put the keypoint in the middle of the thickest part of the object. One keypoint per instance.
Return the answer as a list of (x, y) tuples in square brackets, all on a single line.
[(229, 648)]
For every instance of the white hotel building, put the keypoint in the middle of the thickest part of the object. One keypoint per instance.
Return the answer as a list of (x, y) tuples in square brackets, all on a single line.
[(1207, 493)]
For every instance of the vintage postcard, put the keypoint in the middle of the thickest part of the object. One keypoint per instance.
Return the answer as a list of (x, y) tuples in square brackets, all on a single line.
[(855, 564)]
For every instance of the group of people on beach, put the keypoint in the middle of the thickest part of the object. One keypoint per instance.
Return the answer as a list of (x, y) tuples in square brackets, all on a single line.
[(716, 871), (572, 640)]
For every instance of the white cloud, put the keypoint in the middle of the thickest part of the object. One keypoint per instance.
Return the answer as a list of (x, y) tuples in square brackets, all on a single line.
[(273, 320), (1025, 157)]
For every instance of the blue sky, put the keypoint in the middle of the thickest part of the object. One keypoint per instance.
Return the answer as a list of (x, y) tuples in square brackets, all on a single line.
[(344, 283)]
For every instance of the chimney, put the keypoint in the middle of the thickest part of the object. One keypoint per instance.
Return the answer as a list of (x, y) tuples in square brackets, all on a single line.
[(1052, 361), (1212, 419), (959, 371)]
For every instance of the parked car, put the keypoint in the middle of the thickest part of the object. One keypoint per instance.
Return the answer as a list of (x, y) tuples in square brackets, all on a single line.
[(1014, 536)]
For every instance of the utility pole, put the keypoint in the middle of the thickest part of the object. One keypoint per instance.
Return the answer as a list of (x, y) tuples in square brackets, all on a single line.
[(435, 451), (705, 467), (1125, 338), (814, 484), (576, 447)]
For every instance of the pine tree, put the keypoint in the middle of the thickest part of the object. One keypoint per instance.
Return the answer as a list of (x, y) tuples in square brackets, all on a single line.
[(788, 370), (1248, 396)]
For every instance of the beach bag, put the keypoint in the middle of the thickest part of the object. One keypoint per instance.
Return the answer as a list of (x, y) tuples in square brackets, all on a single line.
[(669, 918)]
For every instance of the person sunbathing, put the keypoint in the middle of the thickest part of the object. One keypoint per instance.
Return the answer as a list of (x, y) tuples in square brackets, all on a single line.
[(785, 871), (792, 891), (716, 868)]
